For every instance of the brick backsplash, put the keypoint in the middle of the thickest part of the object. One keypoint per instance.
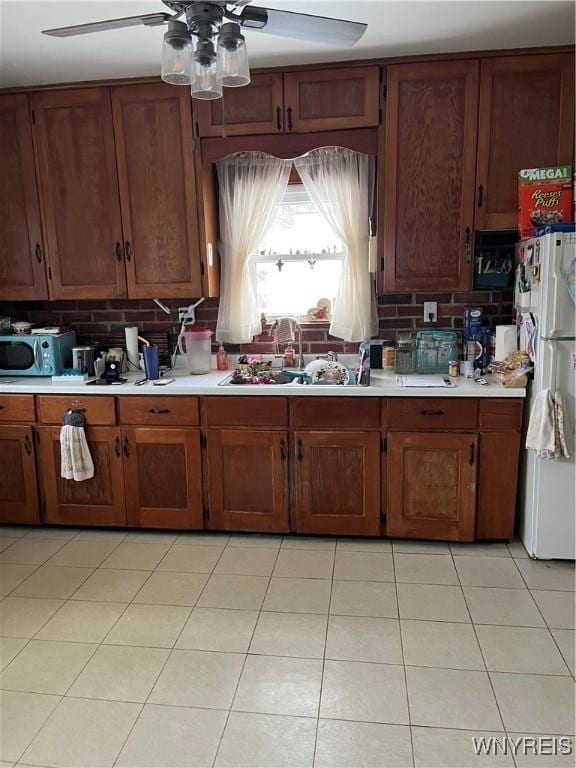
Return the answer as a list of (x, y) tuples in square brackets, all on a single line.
[(102, 321)]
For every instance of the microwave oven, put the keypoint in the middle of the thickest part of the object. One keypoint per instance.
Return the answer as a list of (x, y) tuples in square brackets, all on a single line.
[(36, 354)]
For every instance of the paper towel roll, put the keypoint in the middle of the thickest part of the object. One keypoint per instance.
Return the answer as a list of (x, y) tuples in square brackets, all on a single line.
[(506, 341), (132, 347)]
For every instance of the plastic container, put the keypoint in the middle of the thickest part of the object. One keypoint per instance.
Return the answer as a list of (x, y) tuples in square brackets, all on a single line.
[(222, 359), (405, 357), (435, 350), (195, 344)]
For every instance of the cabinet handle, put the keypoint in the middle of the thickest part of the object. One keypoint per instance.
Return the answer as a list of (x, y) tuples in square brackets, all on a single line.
[(278, 118), (28, 445), (467, 245), (38, 253), (289, 113), (480, 202), (1, 407), (472, 458), (158, 410), (117, 448), (126, 447), (431, 413), (118, 250), (283, 449), (300, 452), (128, 249)]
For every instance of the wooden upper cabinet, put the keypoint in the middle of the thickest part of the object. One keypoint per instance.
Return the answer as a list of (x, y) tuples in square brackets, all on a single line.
[(337, 482), (526, 120), (247, 480), (22, 270), (332, 99), (154, 147), (254, 108), (79, 193), (18, 485), (163, 476), (430, 154), (98, 501), (431, 485)]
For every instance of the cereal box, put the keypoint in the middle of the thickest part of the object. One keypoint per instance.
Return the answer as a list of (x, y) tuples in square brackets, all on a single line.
[(544, 197)]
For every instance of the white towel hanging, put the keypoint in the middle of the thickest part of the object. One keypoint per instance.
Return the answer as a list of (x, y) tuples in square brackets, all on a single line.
[(545, 433)]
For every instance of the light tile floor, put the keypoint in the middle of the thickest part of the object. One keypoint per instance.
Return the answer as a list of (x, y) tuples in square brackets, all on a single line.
[(144, 650)]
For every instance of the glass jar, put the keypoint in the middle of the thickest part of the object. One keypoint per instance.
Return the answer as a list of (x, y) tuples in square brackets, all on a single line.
[(405, 356), (388, 354)]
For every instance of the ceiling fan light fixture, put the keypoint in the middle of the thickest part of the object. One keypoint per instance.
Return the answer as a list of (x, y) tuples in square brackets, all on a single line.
[(205, 85), (177, 55), (233, 70)]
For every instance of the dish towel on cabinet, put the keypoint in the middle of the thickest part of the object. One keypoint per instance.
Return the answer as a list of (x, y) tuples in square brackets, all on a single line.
[(545, 433), (75, 459)]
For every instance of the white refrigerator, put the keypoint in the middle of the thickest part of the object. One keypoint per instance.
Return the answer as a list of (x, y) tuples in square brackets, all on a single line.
[(547, 493)]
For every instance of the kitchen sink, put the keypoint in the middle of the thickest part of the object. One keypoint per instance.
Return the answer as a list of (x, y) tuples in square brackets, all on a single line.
[(278, 378)]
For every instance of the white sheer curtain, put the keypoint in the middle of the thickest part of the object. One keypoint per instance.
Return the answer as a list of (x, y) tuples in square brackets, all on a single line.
[(251, 185), (339, 181)]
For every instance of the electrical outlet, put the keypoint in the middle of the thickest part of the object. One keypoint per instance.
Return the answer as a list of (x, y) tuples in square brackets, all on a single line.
[(430, 311), (185, 315)]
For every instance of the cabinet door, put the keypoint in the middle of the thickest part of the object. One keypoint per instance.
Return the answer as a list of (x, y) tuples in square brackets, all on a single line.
[(18, 486), (98, 501), (431, 485), (497, 484), (22, 270), (332, 99), (431, 121), (163, 475), (337, 478), (526, 121), (153, 130), (79, 193), (247, 480), (256, 108)]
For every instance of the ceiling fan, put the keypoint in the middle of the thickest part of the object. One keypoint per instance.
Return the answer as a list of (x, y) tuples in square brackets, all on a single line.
[(206, 67)]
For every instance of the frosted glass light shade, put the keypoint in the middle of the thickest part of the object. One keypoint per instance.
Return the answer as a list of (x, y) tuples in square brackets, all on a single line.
[(233, 68), (206, 85), (177, 62)]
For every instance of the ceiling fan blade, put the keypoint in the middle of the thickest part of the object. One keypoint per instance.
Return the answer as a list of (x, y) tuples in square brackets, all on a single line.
[(318, 29), (147, 19)]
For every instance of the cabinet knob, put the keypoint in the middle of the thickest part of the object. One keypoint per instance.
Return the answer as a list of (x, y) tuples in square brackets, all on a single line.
[(128, 250), (118, 250), (38, 253), (159, 410), (283, 449), (300, 450), (28, 445), (126, 447), (468, 245), (278, 118), (472, 458), (117, 448), (431, 413), (289, 113)]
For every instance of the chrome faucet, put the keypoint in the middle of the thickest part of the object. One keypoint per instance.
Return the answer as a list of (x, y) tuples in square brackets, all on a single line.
[(300, 363), (332, 356)]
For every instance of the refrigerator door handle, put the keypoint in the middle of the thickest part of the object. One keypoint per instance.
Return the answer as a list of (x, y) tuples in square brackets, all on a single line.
[(557, 338)]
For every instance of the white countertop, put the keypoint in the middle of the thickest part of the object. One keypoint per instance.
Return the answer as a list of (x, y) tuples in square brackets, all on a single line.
[(382, 384)]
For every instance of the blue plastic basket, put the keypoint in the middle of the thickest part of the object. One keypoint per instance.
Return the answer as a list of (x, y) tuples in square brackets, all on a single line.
[(434, 350)]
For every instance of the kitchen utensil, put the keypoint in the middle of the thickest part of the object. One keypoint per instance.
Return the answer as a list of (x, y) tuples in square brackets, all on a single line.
[(119, 354)]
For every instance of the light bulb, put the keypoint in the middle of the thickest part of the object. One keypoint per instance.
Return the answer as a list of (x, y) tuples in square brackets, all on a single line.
[(232, 65), (177, 52)]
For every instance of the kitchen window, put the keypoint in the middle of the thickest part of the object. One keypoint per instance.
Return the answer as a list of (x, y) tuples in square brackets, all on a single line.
[(299, 261)]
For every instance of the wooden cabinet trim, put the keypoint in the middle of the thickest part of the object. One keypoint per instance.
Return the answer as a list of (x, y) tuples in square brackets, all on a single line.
[(77, 97), (189, 251), (24, 170), (97, 409), (17, 408), (27, 510), (168, 411), (468, 70)]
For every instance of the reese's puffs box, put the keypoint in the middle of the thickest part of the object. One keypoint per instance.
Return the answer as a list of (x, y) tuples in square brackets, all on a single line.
[(544, 197)]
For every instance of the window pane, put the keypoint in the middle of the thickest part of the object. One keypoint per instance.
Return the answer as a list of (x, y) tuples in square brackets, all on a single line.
[(297, 287)]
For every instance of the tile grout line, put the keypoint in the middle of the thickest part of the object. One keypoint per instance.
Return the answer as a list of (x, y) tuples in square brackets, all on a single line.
[(324, 655), (229, 711), (413, 756)]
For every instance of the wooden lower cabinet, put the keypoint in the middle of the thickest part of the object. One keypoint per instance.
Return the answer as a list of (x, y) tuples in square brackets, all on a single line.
[(18, 486), (163, 477), (432, 485), (247, 480), (497, 484), (337, 482), (98, 501)]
